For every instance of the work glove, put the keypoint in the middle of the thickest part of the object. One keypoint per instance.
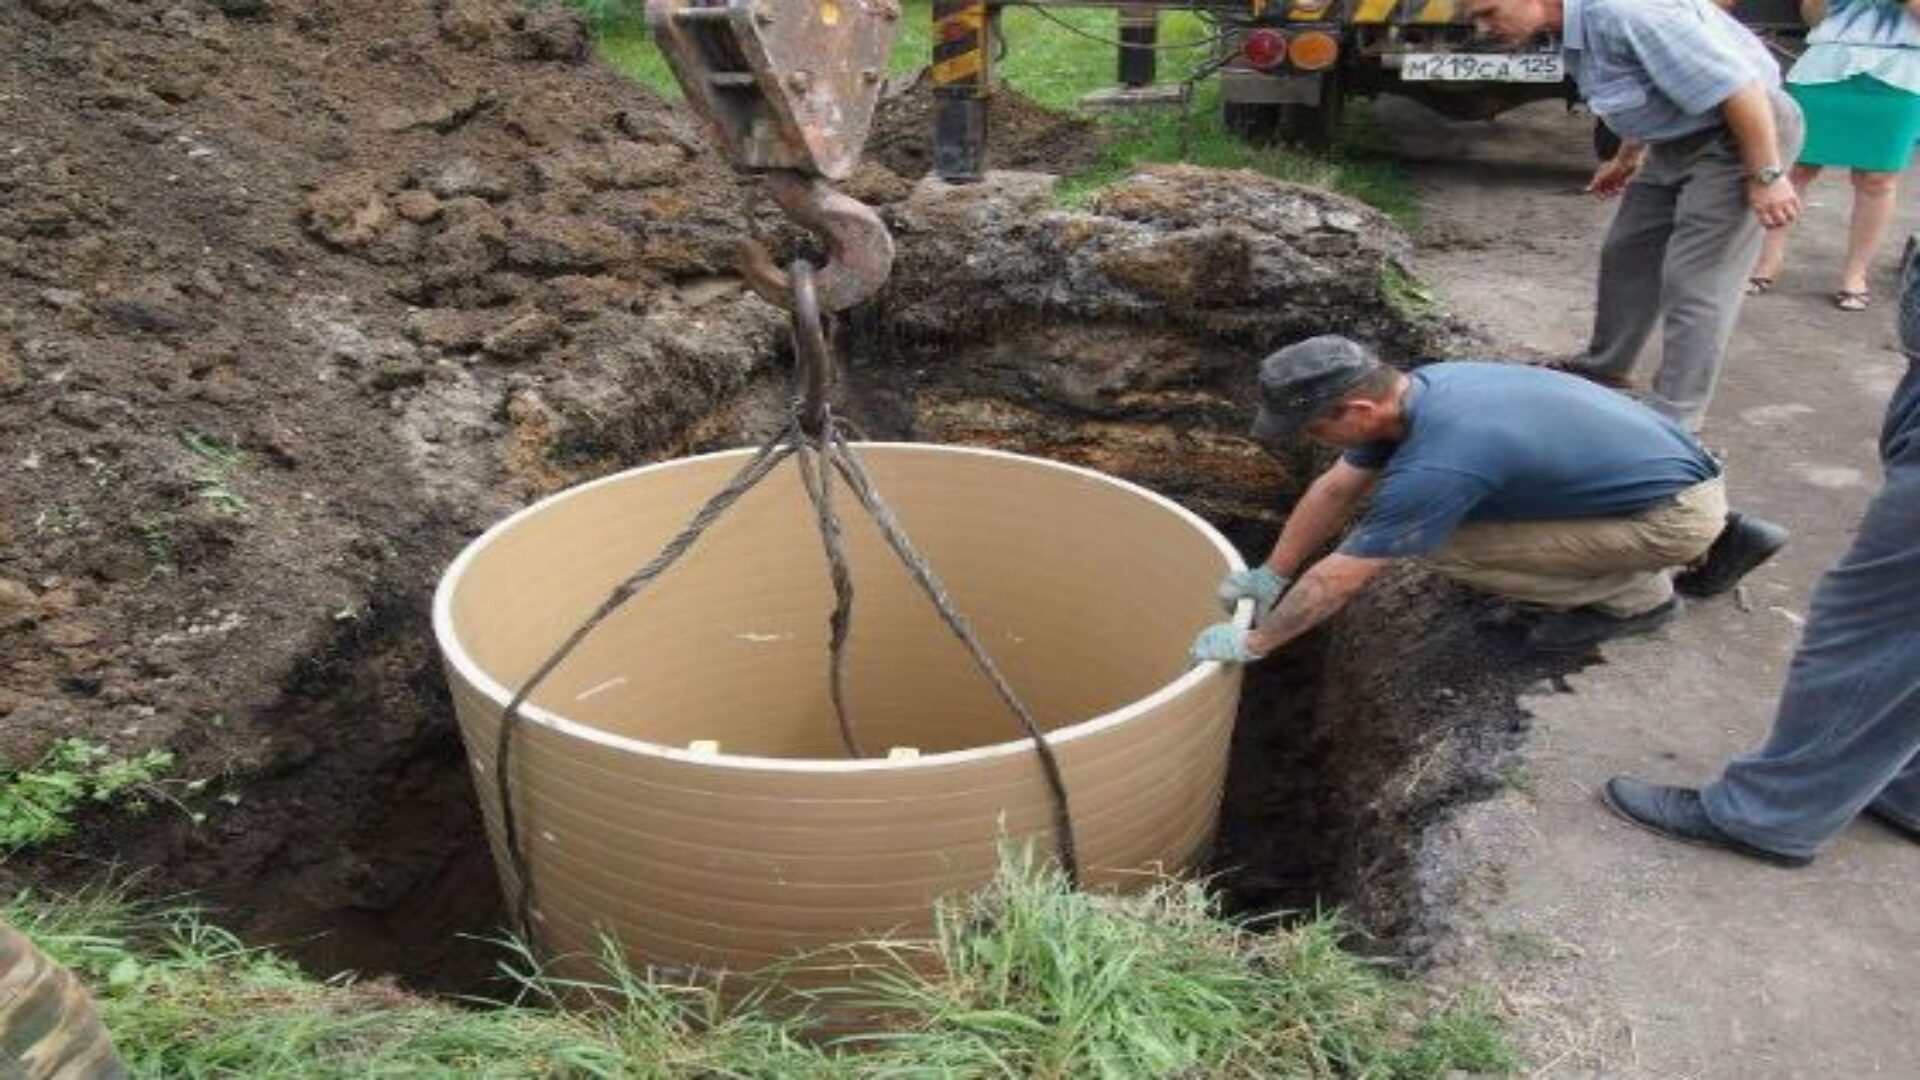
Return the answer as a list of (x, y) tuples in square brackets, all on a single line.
[(1222, 642), (1260, 585)]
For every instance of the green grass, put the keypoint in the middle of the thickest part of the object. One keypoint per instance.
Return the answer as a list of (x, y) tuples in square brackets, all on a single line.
[(1025, 979), (1055, 66), (216, 463), (38, 802)]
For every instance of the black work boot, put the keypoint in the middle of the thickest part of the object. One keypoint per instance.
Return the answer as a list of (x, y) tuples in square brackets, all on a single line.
[(1584, 628), (1676, 813), (1744, 544)]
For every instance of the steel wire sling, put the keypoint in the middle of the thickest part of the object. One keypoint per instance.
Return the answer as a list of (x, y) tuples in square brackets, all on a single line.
[(816, 438)]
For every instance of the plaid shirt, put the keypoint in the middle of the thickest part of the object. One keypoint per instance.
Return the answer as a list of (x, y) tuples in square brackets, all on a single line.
[(1659, 69)]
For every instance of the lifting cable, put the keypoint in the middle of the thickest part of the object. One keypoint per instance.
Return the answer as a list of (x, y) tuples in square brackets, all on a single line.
[(1200, 43), (816, 438)]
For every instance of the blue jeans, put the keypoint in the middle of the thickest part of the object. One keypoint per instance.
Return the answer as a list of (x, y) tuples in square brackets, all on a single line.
[(1847, 734)]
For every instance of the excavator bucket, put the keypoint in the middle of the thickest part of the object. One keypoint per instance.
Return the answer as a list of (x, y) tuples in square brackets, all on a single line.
[(783, 84)]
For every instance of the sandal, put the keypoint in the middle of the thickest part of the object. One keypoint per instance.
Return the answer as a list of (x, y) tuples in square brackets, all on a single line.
[(1851, 300), (1758, 284)]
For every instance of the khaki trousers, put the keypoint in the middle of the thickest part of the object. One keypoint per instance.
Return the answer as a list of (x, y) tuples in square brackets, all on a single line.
[(1621, 565)]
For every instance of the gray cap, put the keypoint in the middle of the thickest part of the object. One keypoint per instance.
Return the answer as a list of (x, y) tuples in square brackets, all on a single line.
[(1300, 380)]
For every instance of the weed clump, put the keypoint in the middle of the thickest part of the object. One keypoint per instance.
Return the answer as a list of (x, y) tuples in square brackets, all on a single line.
[(38, 803)]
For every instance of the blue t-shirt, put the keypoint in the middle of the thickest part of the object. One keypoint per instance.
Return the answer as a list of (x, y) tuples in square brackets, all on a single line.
[(1504, 442)]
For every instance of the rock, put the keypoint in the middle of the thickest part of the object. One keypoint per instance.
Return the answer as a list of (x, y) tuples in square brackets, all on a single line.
[(150, 308), (463, 177), (660, 126), (557, 244), (524, 338), (417, 206), (579, 298), (1206, 267), (349, 214), (207, 285), (444, 116), (397, 373), (91, 410), (471, 24), (465, 251), (53, 10), (13, 374), (450, 328), (245, 9), (143, 130), (177, 86), (552, 34), (62, 299), (876, 185), (70, 633), (117, 562), (620, 166), (18, 606)]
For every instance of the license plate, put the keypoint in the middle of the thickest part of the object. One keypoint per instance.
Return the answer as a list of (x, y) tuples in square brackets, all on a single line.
[(1482, 67)]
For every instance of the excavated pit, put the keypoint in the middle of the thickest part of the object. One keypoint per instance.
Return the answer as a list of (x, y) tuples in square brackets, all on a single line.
[(568, 314), (1119, 339), (1347, 753)]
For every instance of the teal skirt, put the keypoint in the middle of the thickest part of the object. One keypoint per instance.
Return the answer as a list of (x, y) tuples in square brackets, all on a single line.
[(1861, 123)]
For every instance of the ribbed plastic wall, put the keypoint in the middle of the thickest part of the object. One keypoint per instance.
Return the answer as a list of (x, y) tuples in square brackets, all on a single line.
[(1085, 589)]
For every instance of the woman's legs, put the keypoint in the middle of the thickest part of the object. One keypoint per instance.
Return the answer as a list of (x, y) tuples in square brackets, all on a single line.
[(1873, 203), (1773, 250)]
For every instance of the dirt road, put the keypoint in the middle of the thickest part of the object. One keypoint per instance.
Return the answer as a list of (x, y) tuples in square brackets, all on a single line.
[(1625, 954)]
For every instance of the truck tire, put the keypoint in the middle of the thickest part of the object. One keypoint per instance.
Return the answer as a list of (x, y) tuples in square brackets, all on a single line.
[(1316, 126), (1256, 122), (48, 1027)]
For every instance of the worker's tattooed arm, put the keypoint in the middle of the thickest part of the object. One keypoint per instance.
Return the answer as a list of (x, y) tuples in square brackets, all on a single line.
[(1319, 593)]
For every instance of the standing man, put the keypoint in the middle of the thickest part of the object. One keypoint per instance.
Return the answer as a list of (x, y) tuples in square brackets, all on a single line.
[(1525, 483), (1846, 737), (1706, 135)]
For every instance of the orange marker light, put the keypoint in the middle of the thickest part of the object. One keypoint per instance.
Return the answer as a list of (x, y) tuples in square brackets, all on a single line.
[(1314, 50)]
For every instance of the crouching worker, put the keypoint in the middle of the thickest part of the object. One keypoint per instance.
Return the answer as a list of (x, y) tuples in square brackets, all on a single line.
[(1530, 484)]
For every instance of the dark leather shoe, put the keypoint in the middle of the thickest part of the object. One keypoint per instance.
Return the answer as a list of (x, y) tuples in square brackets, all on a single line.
[(1577, 367), (1676, 813), (1585, 628), (1745, 543), (1893, 823)]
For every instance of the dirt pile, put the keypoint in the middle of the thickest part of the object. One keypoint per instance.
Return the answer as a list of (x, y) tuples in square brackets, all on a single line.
[(297, 297), (292, 298), (1122, 336)]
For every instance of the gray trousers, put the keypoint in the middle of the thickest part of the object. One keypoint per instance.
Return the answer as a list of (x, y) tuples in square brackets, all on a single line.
[(1679, 252), (1847, 735)]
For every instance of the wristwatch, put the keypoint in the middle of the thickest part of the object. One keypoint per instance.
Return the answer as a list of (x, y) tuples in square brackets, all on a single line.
[(1767, 175)]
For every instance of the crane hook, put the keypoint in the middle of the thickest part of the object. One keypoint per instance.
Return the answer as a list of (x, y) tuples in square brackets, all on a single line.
[(859, 247)]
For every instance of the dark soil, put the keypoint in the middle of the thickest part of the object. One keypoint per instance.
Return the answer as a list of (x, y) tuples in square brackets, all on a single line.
[(295, 298)]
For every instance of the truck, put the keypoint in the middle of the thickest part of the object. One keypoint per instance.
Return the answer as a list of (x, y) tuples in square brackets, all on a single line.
[(1288, 68)]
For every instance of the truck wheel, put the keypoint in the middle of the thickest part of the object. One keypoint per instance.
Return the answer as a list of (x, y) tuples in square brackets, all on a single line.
[(1256, 122), (1316, 126), (48, 1026)]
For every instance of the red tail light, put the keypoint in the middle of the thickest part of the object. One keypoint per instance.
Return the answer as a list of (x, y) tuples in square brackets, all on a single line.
[(1265, 49)]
